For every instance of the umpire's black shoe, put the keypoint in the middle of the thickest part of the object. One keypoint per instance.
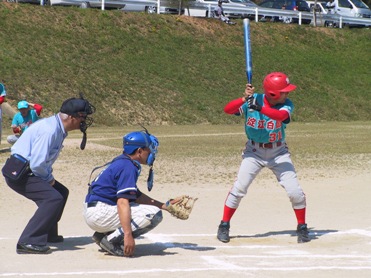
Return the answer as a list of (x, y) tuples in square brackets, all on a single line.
[(112, 248), (24, 248), (223, 232), (55, 239), (303, 233)]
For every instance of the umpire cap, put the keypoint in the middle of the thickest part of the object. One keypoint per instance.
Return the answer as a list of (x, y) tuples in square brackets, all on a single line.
[(76, 107)]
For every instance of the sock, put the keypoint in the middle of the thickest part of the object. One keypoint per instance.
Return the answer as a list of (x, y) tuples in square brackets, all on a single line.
[(300, 215), (228, 213)]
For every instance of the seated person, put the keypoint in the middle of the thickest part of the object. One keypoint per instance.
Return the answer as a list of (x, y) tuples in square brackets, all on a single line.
[(219, 13), (23, 119)]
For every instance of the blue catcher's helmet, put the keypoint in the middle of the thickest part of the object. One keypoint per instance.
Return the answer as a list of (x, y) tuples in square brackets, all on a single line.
[(140, 139)]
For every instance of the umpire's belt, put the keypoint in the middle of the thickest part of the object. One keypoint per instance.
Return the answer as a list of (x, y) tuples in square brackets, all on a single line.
[(267, 145), (92, 204)]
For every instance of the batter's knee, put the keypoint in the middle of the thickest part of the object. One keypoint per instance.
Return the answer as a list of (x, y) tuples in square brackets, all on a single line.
[(234, 197), (298, 200)]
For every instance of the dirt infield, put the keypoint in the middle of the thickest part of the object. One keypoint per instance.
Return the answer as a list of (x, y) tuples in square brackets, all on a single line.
[(263, 241)]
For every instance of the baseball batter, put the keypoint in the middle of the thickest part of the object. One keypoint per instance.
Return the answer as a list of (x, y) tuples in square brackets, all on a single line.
[(266, 116)]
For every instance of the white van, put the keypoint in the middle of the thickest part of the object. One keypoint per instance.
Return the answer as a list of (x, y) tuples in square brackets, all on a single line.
[(352, 8)]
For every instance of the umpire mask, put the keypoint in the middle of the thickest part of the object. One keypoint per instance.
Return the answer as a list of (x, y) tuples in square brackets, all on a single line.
[(79, 108)]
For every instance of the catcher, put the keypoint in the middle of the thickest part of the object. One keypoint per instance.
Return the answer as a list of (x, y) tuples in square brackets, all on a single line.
[(116, 209)]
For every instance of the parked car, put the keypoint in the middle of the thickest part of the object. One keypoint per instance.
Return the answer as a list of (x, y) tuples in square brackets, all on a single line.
[(320, 7), (352, 8), (36, 2), (346, 8), (108, 4), (232, 8), (150, 6), (295, 5), (248, 4)]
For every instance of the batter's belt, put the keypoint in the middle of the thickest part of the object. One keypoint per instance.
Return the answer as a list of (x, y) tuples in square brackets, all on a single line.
[(267, 145)]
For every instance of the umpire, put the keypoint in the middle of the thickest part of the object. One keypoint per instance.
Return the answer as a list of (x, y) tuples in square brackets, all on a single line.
[(40, 145)]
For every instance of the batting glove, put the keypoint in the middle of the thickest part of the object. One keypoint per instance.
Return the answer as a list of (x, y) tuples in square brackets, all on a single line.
[(254, 105)]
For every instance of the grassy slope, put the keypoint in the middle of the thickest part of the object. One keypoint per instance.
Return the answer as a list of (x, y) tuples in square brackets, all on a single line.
[(161, 69)]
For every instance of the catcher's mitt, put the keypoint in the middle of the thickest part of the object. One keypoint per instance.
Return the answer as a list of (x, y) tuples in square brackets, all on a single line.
[(181, 207)]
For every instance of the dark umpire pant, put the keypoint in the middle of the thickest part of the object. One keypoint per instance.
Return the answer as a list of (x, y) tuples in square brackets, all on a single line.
[(50, 201)]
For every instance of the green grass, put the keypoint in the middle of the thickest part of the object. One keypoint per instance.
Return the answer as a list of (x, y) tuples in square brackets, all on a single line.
[(208, 152), (165, 70)]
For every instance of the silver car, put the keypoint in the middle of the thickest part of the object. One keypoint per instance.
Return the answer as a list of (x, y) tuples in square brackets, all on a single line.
[(108, 4), (232, 8), (150, 6)]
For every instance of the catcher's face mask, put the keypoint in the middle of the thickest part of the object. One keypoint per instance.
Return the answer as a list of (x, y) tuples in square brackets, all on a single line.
[(153, 146), (79, 108)]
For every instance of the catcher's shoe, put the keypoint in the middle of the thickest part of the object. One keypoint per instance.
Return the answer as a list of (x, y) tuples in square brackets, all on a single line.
[(303, 233), (223, 231), (97, 237), (111, 247)]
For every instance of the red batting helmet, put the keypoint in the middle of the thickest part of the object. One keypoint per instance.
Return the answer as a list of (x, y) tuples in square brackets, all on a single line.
[(275, 83)]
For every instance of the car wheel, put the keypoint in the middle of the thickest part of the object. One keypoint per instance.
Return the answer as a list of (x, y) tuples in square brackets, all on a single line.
[(330, 24), (151, 10), (84, 5), (287, 19)]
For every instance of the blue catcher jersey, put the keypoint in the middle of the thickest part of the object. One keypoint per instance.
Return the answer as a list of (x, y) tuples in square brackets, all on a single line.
[(117, 180)]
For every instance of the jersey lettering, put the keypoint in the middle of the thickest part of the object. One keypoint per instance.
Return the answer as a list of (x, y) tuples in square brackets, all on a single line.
[(270, 125), (251, 122), (261, 124), (273, 137)]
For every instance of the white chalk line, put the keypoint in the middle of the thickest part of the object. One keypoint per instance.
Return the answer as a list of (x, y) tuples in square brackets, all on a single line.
[(180, 270)]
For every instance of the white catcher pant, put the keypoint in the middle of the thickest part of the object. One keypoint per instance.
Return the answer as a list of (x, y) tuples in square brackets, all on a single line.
[(104, 218), (276, 159)]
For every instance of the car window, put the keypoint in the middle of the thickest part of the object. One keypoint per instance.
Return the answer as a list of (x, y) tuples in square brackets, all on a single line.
[(274, 4), (359, 4), (344, 4), (279, 4), (243, 2), (302, 4), (267, 4), (290, 3)]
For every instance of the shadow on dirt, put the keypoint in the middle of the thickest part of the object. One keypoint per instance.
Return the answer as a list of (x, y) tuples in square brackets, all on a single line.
[(72, 243), (314, 234), (162, 248)]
